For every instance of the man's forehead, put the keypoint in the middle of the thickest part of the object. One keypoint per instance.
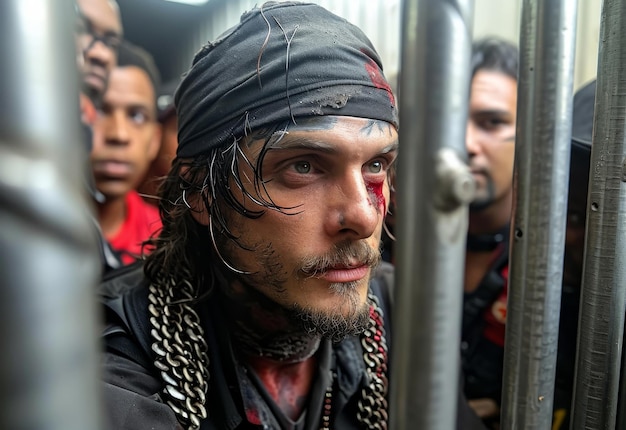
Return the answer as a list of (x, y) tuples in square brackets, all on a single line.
[(131, 79), (329, 122), (324, 129), (103, 14)]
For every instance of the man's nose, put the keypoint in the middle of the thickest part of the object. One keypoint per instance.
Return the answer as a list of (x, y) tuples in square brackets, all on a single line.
[(355, 210), (117, 129), (100, 53), (471, 139)]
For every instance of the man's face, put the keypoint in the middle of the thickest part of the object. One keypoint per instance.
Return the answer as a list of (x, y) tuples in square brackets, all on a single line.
[(332, 175), (126, 135), (490, 136), (98, 36)]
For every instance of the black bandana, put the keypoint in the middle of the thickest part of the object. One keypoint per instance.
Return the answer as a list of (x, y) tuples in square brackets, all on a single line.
[(283, 61)]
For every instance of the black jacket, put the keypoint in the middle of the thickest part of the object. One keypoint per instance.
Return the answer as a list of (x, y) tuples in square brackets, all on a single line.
[(132, 384)]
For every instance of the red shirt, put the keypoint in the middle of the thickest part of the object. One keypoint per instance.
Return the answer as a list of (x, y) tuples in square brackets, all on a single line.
[(142, 222)]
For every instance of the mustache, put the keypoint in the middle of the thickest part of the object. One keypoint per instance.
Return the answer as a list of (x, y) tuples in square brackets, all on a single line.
[(346, 254)]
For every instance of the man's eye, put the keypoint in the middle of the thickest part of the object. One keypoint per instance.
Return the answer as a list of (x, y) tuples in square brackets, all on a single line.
[(112, 42), (375, 167), (303, 167), (138, 117), (492, 123)]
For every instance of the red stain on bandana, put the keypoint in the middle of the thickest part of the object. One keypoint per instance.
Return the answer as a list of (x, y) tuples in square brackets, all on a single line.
[(378, 79)]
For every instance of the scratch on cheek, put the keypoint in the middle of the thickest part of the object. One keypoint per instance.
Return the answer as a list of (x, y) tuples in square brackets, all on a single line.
[(375, 190)]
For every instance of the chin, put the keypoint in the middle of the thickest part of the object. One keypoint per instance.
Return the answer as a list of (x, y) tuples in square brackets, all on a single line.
[(345, 314)]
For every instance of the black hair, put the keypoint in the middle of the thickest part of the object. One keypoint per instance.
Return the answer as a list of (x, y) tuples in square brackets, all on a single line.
[(184, 246), (134, 55), (495, 54)]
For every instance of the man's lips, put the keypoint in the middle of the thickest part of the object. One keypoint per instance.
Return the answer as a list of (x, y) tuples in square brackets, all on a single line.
[(478, 171), (478, 175), (344, 274)]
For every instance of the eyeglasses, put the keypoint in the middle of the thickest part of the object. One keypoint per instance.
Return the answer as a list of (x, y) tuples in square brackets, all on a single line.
[(84, 27)]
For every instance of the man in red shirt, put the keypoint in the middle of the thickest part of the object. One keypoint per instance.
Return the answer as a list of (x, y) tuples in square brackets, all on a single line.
[(126, 140)]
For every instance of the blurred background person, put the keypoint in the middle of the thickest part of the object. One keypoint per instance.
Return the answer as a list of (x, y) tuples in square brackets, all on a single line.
[(490, 141), (98, 36), (580, 162), (126, 140), (160, 167)]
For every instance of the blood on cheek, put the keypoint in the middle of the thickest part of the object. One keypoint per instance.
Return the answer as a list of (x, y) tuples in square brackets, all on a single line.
[(375, 190)]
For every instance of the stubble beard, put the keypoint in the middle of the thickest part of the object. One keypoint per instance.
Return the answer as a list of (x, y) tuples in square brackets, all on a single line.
[(349, 318), (339, 324), (486, 198)]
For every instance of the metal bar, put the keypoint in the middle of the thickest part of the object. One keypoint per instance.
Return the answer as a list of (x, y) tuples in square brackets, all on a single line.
[(48, 258), (434, 190), (603, 296), (621, 401), (542, 153)]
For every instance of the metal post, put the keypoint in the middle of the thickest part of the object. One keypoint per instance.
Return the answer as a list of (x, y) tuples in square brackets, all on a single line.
[(621, 401), (434, 190), (48, 258), (601, 323), (542, 153)]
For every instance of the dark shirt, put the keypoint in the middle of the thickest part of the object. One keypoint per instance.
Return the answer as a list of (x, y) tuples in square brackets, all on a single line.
[(482, 347)]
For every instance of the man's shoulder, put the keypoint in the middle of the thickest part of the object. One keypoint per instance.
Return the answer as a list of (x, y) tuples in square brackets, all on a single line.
[(124, 297), (119, 281)]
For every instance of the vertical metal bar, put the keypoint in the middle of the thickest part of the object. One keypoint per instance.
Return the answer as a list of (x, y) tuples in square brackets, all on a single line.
[(434, 189), (541, 182), (603, 296), (48, 257), (621, 401)]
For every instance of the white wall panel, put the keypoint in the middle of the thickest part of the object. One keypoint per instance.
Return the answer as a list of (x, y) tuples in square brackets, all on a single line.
[(381, 21), (502, 18)]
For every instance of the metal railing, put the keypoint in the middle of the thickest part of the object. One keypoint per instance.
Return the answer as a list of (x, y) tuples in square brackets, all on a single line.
[(433, 193), (48, 259)]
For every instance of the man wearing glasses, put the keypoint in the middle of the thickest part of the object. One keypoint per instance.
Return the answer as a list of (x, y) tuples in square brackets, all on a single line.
[(98, 35)]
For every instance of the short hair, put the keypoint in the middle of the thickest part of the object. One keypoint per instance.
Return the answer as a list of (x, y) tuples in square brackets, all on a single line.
[(495, 54), (133, 55)]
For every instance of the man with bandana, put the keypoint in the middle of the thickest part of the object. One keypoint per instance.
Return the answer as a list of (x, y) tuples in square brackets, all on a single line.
[(259, 306)]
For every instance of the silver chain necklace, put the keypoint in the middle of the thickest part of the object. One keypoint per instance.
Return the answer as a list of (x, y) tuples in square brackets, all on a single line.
[(182, 359)]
